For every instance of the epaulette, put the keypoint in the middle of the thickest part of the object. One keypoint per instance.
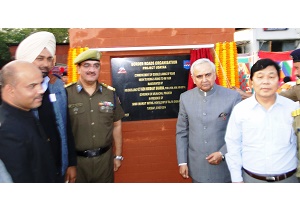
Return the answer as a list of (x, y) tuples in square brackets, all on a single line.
[(296, 112), (298, 82), (70, 84), (108, 87)]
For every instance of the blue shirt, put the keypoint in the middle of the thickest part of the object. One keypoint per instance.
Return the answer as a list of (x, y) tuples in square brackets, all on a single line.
[(262, 141), (4, 175)]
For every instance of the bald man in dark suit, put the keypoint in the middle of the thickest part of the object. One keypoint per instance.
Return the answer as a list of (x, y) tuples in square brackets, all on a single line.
[(24, 148)]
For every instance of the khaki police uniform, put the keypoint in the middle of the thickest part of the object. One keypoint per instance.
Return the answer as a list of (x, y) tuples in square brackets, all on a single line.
[(92, 119), (296, 125), (293, 93)]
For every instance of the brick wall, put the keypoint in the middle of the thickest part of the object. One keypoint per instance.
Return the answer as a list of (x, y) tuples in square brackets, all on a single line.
[(149, 146)]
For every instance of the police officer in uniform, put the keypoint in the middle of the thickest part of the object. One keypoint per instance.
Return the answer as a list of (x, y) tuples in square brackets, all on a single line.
[(96, 114), (294, 94), (296, 125)]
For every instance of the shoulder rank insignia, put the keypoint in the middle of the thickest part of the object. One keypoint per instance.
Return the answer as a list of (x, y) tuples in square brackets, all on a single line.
[(296, 112), (70, 84), (108, 87)]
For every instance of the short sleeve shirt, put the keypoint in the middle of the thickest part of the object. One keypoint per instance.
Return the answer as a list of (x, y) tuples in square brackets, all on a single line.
[(92, 117)]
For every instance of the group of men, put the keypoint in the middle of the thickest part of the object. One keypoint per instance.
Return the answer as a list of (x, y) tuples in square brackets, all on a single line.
[(56, 133), (53, 133), (224, 136)]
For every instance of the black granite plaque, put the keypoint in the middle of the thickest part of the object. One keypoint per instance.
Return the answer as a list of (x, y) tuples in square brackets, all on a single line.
[(149, 87)]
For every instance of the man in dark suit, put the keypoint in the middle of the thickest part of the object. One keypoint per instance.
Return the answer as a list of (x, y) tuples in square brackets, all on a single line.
[(201, 125), (24, 148), (39, 49)]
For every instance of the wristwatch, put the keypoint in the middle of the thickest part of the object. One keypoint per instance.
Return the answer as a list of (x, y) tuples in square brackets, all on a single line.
[(223, 156), (119, 157)]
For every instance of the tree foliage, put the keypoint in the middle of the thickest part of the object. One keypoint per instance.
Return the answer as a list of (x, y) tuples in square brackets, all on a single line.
[(4, 54), (13, 36), (16, 35)]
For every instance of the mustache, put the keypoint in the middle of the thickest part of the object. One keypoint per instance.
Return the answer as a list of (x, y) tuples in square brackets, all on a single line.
[(90, 73)]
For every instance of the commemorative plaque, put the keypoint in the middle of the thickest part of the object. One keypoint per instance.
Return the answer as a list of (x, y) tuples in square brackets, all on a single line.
[(150, 87)]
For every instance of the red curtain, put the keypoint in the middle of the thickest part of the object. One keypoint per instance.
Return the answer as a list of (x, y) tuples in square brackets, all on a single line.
[(195, 55)]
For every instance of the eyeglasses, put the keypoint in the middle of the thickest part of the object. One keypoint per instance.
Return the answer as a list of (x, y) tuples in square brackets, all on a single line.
[(88, 65)]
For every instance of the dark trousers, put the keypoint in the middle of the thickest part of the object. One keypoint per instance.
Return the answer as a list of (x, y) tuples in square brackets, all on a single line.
[(59, 178)]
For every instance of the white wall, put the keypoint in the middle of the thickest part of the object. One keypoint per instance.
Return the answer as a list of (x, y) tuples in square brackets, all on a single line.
[(289, 34), (254, 35)]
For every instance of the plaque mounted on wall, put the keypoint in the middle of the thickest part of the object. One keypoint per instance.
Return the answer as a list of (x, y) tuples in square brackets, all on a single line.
[(149, 87)]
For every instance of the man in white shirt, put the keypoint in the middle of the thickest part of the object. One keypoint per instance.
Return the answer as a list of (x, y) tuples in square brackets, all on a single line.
[(260, 138)]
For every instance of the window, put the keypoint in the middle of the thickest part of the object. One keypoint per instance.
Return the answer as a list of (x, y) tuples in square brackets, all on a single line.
[(278, 45)]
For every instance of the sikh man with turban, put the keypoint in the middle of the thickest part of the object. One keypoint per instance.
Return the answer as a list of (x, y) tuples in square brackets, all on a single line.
[(39, 48)]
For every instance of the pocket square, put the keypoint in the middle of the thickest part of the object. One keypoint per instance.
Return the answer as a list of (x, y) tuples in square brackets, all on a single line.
[(223, 115)]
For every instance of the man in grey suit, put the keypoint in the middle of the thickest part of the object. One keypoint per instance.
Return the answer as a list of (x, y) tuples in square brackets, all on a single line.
[(201, 125)]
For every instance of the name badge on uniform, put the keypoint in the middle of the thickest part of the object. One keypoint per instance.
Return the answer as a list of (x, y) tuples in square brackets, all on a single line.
[(52, 97)]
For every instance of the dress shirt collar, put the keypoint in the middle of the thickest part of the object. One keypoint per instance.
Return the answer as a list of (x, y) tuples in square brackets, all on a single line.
[(16, 110), (79, 87), (253, 102), (45, 83), (210, 92)]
